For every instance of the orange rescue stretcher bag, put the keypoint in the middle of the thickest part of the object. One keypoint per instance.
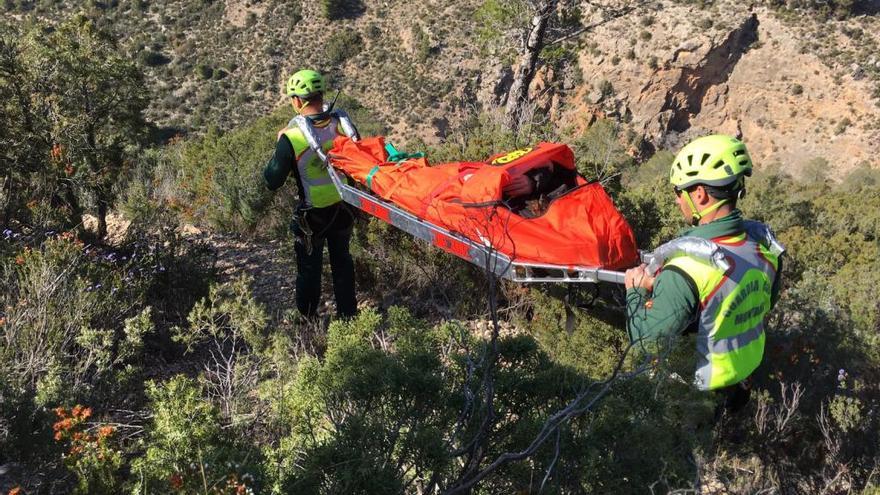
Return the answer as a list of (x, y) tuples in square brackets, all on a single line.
[(579, 227)]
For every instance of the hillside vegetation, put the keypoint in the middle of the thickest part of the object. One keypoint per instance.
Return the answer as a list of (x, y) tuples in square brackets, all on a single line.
[(802, 81), (133, 366)]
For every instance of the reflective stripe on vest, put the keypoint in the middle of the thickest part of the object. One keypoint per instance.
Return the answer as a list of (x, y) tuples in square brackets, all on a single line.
[(733, 304), (318, 188)]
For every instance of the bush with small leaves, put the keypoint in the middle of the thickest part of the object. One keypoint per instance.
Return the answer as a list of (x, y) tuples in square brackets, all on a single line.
[(341, 46), (186, 450), (205, 71)]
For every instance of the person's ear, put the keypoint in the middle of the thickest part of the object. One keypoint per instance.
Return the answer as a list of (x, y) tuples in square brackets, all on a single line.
[(700, 196)]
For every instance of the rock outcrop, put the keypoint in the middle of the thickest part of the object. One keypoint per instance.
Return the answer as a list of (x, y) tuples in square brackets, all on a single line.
[(674, 80)]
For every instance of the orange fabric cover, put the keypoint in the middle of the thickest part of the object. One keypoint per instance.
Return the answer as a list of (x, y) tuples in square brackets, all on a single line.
[(581, 228)]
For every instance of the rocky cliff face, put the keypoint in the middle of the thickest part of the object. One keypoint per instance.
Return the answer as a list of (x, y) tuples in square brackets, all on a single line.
[(679, 73)]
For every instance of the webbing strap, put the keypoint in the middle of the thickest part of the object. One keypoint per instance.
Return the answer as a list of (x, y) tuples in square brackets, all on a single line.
[(394, 155), (370, 177), (391, 150)]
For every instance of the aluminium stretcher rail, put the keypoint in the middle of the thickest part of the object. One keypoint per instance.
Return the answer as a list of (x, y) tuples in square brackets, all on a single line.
[(480, 255)]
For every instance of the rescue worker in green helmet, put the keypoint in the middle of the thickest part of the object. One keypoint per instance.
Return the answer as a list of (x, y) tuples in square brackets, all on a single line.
[(321, 216), (723, 307)]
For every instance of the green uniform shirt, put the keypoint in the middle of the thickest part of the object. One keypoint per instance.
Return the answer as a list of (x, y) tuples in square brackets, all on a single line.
[(674, 300)]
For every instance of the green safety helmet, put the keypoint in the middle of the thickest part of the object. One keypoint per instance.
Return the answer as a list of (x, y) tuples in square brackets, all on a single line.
[(715, 161), (305, 83)]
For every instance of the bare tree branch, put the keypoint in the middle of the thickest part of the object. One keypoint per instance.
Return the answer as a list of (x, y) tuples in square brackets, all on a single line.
[(582, 403)]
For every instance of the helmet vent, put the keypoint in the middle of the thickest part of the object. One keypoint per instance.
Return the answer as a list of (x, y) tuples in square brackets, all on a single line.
[(690, 160), (703, 160), (743, 162), (692, 173), (739, 152), (718, 164)]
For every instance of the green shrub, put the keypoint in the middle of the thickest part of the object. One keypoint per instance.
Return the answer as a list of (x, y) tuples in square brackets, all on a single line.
[(64, 304), (341, 46), (220, 177), (599, 152), (861, 177), (399, 400), (422, 42), (186, 448), (816, 170), (205, 71), (493, 18)]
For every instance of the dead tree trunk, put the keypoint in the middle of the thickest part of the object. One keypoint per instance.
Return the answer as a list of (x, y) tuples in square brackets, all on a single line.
[(530, 52)]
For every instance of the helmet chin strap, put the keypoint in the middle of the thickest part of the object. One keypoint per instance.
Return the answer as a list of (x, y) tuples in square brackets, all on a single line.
[(697, 215), (299, 109)]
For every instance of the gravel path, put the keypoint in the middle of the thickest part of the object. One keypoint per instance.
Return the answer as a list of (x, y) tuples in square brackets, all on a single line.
[(269, 264)]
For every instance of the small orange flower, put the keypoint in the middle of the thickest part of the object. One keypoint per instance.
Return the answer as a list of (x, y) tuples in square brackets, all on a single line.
[(176, 481), (56, 151), (16, 491), (58, 436), (86, 412), (19, 260), (76, 410), (105, 431), (63, 425)]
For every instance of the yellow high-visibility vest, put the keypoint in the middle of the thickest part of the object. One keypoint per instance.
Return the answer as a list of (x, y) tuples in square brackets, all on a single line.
[(733, 304)]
